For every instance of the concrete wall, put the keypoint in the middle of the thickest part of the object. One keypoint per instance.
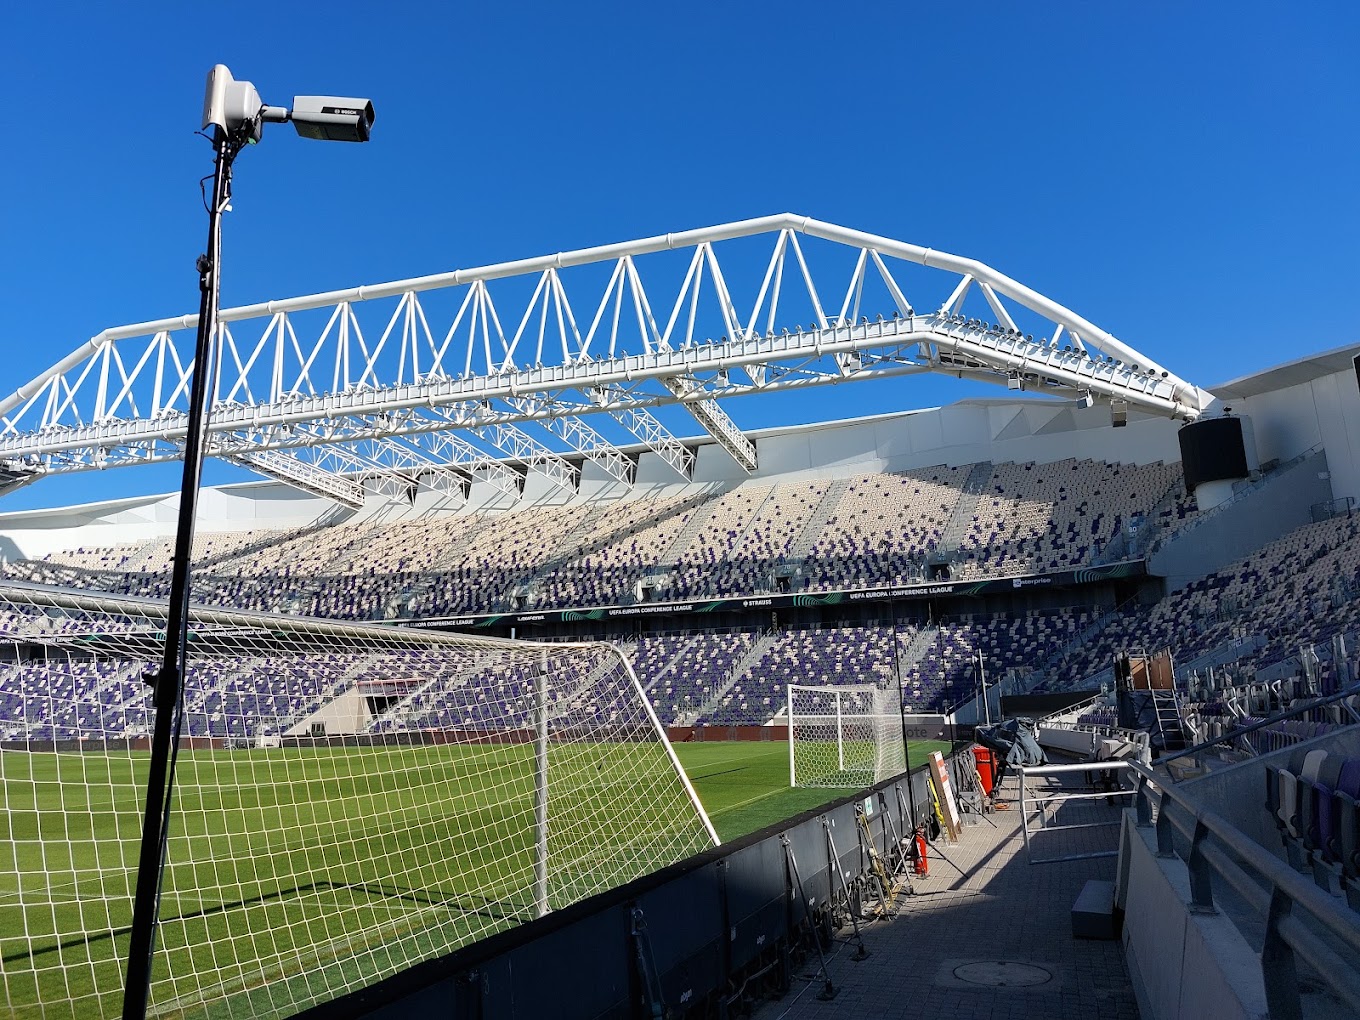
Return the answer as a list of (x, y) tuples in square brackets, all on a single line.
[(1183, 966), (1325, 411)]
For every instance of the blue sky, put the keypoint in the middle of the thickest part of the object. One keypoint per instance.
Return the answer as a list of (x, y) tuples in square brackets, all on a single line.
[(1182, 174)]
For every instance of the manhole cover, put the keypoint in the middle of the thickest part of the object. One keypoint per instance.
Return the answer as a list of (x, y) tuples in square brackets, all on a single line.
[(1001, 974)]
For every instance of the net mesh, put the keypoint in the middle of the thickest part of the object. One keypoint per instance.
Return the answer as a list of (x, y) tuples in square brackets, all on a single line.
[(844, 736), (349, 800)]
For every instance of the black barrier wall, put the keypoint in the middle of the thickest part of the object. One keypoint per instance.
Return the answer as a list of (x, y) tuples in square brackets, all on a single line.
[(696, 938)]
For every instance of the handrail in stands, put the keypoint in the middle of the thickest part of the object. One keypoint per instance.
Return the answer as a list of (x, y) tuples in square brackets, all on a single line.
[(1244, 864), (1273, 720)]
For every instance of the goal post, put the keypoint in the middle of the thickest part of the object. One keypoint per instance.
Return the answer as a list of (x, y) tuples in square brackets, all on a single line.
[(843, 736), (350, 800)]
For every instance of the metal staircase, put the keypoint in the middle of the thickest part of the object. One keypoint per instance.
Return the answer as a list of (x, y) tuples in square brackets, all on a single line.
[(1170, 723)]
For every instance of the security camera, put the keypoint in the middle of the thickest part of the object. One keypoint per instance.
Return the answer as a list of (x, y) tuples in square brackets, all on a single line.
[(236, 108), (333, 118)]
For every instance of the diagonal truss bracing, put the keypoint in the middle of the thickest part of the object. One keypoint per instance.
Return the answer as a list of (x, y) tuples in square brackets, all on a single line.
[(490, 373)]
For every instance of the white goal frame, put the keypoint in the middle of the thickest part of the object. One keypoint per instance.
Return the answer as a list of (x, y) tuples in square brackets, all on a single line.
[(845, 719)]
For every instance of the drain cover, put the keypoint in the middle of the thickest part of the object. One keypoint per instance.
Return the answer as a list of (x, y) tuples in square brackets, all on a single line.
[(1002, 974)]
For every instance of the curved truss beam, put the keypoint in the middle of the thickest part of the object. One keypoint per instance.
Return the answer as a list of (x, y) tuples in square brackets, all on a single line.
[(681, 319)]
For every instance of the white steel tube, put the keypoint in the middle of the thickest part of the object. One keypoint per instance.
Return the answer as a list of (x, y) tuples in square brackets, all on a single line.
[(789, 695), (840, 736), (541, 788), (666, 743)]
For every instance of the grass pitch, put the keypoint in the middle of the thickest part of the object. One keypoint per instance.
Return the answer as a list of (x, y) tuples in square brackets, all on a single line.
[(281, 889), (744, 785)]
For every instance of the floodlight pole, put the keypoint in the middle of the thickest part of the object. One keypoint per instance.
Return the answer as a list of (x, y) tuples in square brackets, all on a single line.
[(168, 681), (236, 115)]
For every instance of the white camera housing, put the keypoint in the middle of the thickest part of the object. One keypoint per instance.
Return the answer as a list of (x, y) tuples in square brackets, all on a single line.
[(333, 118), (235, 106)]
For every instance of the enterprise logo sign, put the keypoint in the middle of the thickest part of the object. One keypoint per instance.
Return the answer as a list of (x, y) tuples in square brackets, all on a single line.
[(1030, 582)]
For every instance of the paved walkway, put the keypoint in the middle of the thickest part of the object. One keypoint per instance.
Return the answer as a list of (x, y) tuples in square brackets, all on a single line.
[(989, 907)]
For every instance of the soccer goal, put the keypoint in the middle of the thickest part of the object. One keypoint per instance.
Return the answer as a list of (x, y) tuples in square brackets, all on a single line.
[(844, 736), (350, 800)]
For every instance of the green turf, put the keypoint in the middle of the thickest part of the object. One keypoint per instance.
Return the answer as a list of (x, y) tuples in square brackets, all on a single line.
[(303, 871), (744, 785), (298, 872)]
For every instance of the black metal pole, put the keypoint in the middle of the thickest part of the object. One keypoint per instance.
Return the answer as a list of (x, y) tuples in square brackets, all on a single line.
[(902, 711), (168, 682)]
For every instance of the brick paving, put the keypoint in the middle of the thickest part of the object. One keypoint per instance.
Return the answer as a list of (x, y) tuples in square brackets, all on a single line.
[(993, 908)]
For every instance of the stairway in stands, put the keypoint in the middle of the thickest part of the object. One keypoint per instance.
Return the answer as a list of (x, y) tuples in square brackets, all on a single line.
[(966, 508), (910, 654), (682, 654), (568, 548), (762, 644), (817, 522), (697, 519)]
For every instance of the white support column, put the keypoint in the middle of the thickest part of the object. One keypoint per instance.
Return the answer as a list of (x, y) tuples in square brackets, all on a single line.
[(788, 694), (840, 736), (541, 789)]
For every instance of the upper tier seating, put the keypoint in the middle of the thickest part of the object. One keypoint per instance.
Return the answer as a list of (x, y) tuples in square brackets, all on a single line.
[(873, 529), (1042, 517)]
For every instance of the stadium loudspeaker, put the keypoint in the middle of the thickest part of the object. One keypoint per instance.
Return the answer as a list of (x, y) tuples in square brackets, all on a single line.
[(1356, 362), (1119, 413)]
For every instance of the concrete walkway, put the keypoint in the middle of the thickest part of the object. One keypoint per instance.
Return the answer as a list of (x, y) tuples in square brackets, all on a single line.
[(989, 916)]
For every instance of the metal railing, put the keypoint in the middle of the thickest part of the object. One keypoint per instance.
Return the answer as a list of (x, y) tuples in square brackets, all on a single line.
[(1043, 798), (1232, 737), (1292, 905)]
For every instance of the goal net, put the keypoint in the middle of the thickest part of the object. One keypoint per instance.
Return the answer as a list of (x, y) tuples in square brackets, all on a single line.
[(844, 736), (350, 800)]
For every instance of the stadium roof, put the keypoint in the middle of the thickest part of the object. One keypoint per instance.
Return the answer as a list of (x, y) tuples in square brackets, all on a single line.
[(1291, 373), (538, 364)]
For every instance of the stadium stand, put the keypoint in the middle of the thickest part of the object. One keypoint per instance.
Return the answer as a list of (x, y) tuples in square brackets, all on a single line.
[(1299, 590), (881, 529), (810, 534)]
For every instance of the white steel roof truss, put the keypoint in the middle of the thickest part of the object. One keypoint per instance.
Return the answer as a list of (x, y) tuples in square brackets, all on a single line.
[(518, 445), (86, 410), (583, 439), (645, 426), (300, 474)]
